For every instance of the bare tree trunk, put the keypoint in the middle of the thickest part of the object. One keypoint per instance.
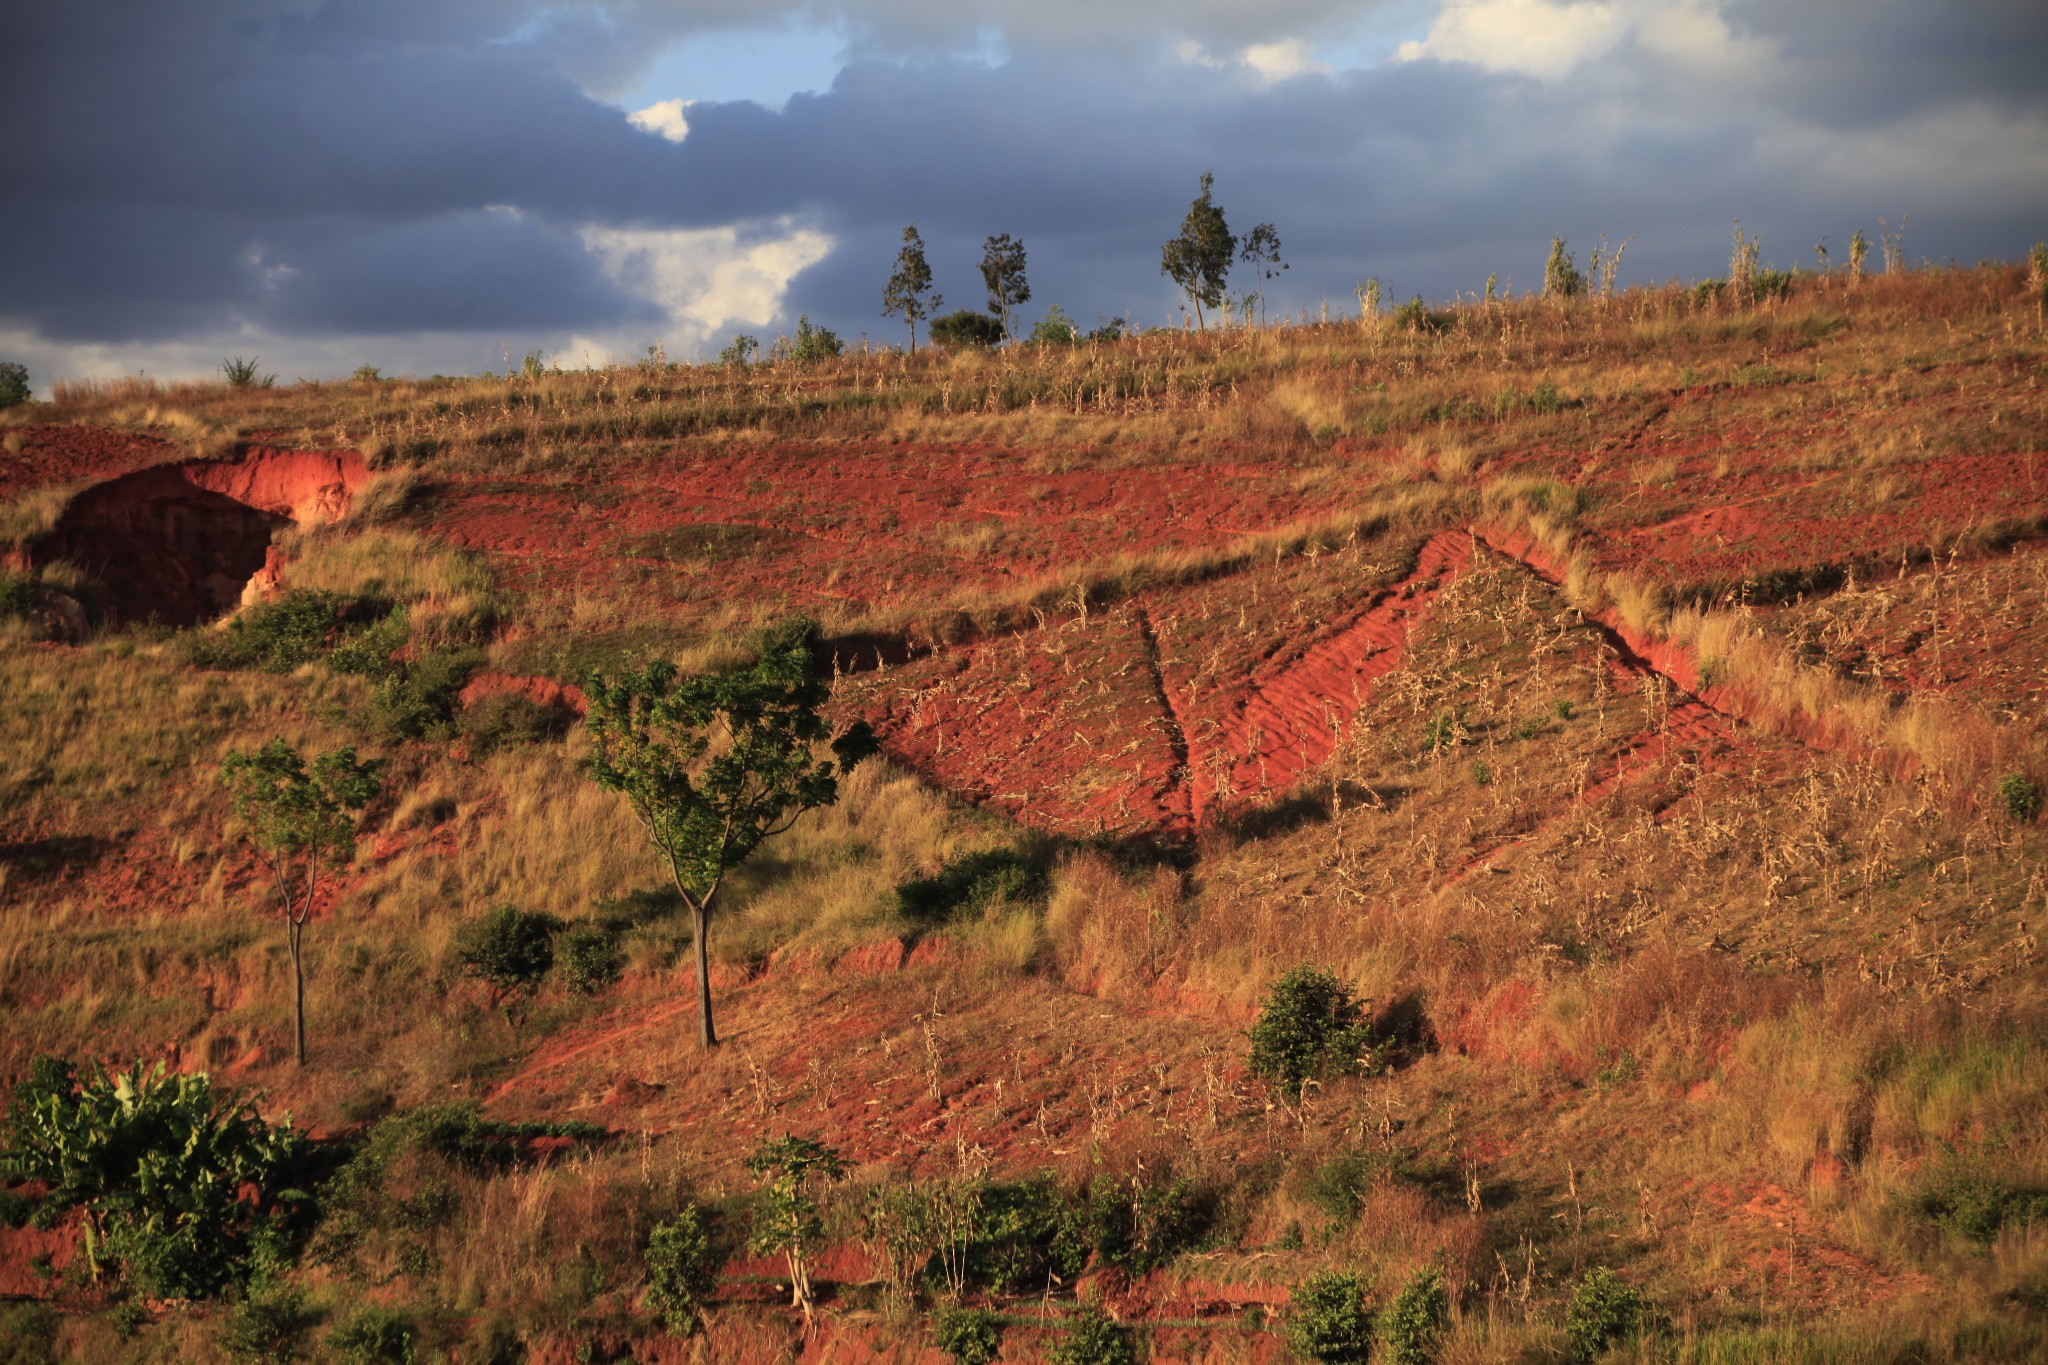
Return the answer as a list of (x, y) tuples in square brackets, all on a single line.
[(294, 935), (700, 918)]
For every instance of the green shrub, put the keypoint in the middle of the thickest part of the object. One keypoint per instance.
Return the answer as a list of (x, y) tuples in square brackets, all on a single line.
[(682, 1269), (970, 884), (1140, 1225), (1966, 1200), (966, 329), (28, 1334), (1310, 1027), (13, 383), (504, 719), (1414, 1322), (740, 351), (374, 1336), (511, 950), (17, 595), (418, 700), (293, 628), (1546, 399), (1605, 1310), (242, 374), (1327, 1319), (589, 958), (1094, 1339), (1414, 316), (186, 1183), (1054, 329), (1338, 1185), (368, 649), (2020, 797), (971, 1336), (266, 1328), (813, 343), (1562, 278), (1023, 1232)]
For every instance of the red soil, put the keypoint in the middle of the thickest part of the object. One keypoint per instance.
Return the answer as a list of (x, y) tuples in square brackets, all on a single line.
[(58, 455), (181, 542)]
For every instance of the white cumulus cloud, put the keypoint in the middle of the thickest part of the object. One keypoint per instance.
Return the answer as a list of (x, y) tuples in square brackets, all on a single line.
[(706, 280), (1538, 37), (668, 118)]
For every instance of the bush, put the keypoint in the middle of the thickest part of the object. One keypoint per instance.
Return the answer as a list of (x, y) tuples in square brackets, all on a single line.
[(418, 701), (1327, 1319), (682, 1269), (971, 884), (509, 949), (17, 595), (1338, 1185), (504, 719), (241, 374), (1054, 329), (1140, 1225), (1604, 1311), (28, 1334), (1414, 1321), (813, 343), (266, 1329), (374, 1336), (1024, 1232), (972, 1336), (13, 383), (368, 649), (293, 628), (2019, 796), (1093, 1339), (740, 351), (186, 1183), (966, 328), (1414, 316), (589, 958), (1311, 1026), (367, 374)]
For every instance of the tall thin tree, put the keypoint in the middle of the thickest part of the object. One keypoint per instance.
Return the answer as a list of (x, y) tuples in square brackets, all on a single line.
[(1199, 259), (1002, 270), (904, 295), (302, 821)]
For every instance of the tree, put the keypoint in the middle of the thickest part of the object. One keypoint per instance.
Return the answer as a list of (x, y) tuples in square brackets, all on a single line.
[(303, 821), (904, 295), (1002, 269), (714, 764), (1328, 1319), (13, 383), (510, 950), (789, 1221), (1262, 251), (1199, 259)]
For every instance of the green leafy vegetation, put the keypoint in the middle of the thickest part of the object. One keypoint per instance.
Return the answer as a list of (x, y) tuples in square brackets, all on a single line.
[(1310, 1027), (1604, 1311), (186, 1189), (682, 1269)]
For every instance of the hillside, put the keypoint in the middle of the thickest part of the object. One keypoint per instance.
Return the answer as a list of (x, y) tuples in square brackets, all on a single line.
[(1639, 703)]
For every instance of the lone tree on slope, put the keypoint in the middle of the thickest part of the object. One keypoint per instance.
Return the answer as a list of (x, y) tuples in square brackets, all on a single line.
[(1002, 270), (302, 821), (904, 295), (714, 764), (1199, 259), (1262, 252)]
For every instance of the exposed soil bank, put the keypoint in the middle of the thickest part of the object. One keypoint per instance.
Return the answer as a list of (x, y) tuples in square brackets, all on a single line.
[(178, 543)]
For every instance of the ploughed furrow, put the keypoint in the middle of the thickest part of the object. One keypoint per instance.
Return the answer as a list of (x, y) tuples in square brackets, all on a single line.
[(1687, 726), (1297, 711), (1063, 727)]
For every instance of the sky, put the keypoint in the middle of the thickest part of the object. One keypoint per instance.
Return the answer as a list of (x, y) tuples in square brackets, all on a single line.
[(443, 186)]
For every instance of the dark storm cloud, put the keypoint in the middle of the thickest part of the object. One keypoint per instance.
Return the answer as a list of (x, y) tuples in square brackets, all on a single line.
[(314, 169)]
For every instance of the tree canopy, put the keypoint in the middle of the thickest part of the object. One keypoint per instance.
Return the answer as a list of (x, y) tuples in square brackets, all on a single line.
[(714, 764), (303, 821), (1002, 270), (903, 295), (1199, 258)]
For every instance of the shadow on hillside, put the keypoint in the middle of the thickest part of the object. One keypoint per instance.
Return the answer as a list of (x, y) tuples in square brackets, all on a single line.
[(41, 859)]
